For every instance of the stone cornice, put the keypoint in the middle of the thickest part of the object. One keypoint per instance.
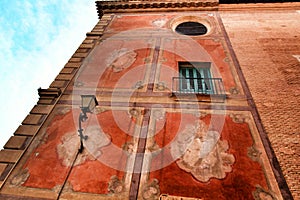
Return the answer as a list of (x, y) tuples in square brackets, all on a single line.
[(154, 5)]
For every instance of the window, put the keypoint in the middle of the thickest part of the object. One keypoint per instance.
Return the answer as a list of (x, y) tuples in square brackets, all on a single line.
[(195, 78), (191, 28)]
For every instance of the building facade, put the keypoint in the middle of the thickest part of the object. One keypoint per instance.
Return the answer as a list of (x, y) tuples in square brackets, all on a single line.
[(197, 100)]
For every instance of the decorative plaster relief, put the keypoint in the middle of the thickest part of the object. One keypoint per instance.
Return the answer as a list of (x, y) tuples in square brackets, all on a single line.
[(128, 147), (159, 114), (121, 59), (133, 112), (261, 194), (78, 84), (234, 90), (200, 114), (226, 59), (238, 118), (202, 153), (159, 22), (115, 185), (20, 178), (151, 190), (253, 153), (161, 86), (138, 85)]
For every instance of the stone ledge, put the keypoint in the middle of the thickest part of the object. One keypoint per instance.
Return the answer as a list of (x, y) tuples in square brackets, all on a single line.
[(73, 64), (79, 55), (91, 37), (58, 84), (33, 119), (98, 30), (102, 23), (16, 142), (64, 77), (10, 156), (27, 130), (75, 59), (67, 70), (6, 169), (48, 101), (82, 50), (41, 109), (99, 33), (2, 167), (106, 17), (88, 42), (100, 26), (50, 92), (48, 96), (87, 45)]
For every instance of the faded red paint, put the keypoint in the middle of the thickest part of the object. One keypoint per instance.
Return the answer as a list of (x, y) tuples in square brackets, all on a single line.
[(128, 23), (47, 171), (44, 167), (207, 51), (98, 73), (94, 176), (238, 184), (128, 77)]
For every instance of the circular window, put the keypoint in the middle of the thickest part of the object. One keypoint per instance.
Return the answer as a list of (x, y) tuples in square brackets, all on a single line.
[(192, 25), (191, 28)]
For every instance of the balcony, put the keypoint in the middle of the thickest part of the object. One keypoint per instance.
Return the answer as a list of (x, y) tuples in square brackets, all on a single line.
[(209, 87)]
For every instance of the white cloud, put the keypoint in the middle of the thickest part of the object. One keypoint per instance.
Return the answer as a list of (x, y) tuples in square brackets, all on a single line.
[(38, 40)]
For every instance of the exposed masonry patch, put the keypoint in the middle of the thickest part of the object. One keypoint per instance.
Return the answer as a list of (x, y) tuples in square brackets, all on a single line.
[(297, 56), (68, 147)]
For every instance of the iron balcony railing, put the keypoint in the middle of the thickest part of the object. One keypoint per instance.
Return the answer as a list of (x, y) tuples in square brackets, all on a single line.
[(205, 86)]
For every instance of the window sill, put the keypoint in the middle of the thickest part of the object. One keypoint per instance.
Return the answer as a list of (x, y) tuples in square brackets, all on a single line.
[(178, 96)]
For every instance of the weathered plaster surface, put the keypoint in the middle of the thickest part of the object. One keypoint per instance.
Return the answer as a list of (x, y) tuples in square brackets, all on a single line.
[(182, 148)]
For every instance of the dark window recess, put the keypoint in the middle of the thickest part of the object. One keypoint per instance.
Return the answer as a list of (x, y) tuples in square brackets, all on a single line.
[(191, 28), (196, 78)]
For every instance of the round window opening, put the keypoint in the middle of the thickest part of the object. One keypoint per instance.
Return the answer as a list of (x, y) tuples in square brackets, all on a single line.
[(191, 28)]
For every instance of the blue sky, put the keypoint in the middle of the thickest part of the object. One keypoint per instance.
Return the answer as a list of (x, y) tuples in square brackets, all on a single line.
[(37, 38)]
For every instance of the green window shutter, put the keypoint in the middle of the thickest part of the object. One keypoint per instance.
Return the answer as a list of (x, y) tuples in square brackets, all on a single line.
[(195, 78)]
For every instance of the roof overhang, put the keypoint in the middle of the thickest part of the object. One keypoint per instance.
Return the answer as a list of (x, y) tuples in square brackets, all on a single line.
[(123, 6), (154, 6)]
